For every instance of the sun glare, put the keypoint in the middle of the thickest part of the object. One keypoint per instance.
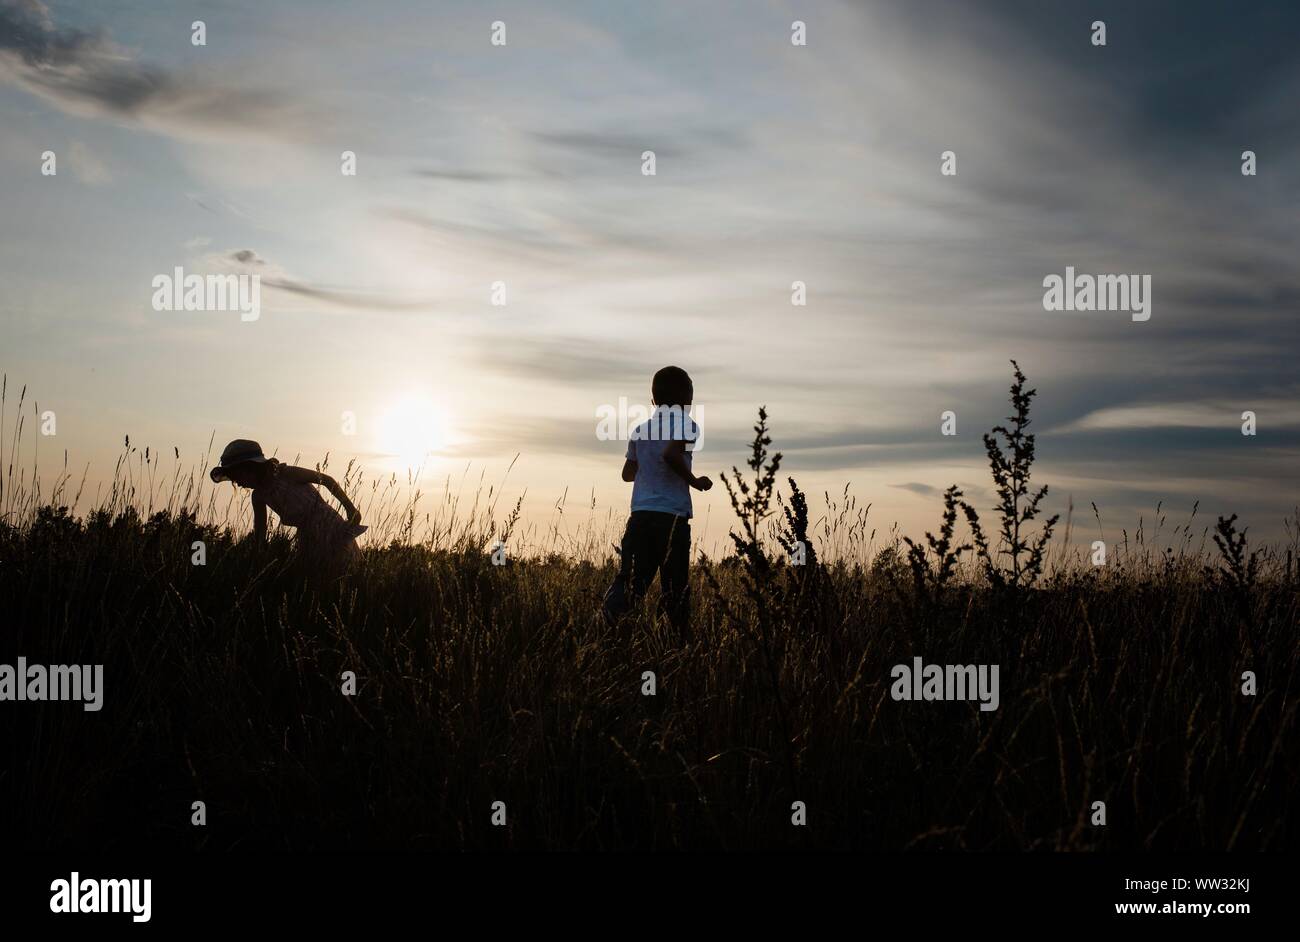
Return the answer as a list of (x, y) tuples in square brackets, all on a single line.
[(411, 431)]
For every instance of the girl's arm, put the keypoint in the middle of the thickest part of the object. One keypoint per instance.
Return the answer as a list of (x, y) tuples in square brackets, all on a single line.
[(354, 515), (259, 519), (305, 476)]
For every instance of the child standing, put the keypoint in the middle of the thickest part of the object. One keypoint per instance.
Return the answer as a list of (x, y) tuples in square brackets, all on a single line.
[(658, 535), (325, 538)]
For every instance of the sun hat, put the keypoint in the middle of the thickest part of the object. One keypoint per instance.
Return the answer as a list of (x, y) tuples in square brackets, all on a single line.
[(240, 451)]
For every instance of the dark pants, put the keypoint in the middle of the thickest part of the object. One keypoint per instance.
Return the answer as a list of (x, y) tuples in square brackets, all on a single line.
[(654, 542)]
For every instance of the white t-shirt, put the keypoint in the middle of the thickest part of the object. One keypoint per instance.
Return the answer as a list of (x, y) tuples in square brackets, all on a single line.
[(657, 486)]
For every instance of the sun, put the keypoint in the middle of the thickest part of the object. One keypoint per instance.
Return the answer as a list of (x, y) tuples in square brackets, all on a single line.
[(410, 431)]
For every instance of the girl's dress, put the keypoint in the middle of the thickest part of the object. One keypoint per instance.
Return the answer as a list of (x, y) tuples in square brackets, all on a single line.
[(322, 533)]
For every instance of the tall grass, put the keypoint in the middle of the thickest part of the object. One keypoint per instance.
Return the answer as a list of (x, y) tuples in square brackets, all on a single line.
[(479, 683)]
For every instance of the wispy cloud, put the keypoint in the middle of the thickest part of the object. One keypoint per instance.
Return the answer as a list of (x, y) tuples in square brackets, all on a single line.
[(1275, 413), (88, 74), (925, 490), (462, 176), (247, 261)]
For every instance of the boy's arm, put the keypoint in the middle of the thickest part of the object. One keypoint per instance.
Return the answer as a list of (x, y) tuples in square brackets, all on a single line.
[(675, 455), (629, 465)]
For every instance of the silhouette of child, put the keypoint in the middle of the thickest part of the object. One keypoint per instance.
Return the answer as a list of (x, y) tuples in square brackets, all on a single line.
[(323, 536), (658, 535)]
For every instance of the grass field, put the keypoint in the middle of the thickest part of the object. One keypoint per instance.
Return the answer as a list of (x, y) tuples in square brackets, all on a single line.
[(478, 683)]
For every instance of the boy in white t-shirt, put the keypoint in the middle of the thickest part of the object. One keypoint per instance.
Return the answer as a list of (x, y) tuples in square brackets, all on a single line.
[(658, 535)]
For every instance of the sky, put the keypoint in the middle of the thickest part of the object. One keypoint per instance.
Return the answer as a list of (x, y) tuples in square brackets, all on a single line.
[(774, 163)]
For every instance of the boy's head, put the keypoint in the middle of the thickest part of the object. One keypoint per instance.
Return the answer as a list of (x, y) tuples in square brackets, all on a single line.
[(672, 386)]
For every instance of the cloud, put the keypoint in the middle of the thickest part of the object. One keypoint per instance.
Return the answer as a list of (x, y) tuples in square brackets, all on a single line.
[(198, 201), (575, 362), (925, 490), (463, 176), (607, 145), (248, 261), (88, 74), (553, 240), (517, 238), (547, 435), (247, 257), (1276, 413)]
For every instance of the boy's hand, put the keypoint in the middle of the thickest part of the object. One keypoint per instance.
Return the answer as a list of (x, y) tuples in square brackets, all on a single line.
[(702, 484)]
